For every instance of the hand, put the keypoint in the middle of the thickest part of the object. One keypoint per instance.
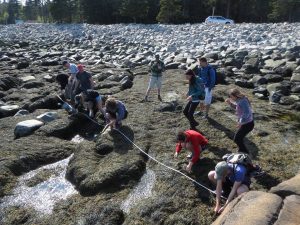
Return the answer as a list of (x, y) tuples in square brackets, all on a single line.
[(228, 101), (176, 155), (189, 98), (189, 167), (217, 209), (221, 209)]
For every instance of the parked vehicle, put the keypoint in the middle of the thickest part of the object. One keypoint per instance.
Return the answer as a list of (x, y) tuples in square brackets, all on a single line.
[(218, 19)]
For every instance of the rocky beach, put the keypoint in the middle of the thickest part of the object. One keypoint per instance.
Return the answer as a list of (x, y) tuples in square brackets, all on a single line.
[(57, 170)]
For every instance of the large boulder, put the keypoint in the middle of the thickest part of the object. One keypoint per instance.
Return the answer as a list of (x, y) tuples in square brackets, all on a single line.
[(112, 164), (273, 64), (9, 82), (288, 187), (290, 213), (252, 208), (48, 116), (22, 65), (26, 127), (296, 77)]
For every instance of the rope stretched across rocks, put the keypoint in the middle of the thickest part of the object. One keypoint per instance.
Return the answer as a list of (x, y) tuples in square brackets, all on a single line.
[(155, 160)]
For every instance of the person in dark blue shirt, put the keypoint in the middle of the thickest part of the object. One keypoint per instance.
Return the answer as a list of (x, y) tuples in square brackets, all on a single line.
[(208, 75), (194, 95), (232, 179)]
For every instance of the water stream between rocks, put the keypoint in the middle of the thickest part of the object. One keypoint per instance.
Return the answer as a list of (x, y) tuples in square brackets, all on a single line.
[(142, 191), (43, 196)]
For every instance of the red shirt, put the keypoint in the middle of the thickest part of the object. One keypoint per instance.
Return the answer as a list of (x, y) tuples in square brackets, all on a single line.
[(197, 140)]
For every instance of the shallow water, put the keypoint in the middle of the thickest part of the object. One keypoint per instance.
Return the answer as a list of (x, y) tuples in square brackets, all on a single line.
[(44, 195), (142, 191)]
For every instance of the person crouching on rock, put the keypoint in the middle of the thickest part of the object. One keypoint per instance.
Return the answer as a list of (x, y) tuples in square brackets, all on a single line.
[(92, 100), (241, 104), (115, 112), (194, 95), (231, 179), (193, 142)]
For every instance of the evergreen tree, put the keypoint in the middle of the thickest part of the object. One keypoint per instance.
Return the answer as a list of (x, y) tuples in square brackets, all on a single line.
[(285, 10), (13, 11), (170, 11), (136, 10), (63, 10)]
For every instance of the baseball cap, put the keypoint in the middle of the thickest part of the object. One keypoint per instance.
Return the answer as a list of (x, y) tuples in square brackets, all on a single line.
[(220, 169)]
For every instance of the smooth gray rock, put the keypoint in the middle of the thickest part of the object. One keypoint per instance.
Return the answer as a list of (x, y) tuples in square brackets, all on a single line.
[(26, 127), (48, 116), (288, 187)]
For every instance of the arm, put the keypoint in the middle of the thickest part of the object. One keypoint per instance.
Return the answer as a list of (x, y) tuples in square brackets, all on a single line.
[(212, 75), (231, 195), (218, 196), (232, 105), (178, 148)]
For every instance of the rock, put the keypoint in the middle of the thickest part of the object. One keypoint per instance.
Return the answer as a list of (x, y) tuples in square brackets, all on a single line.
[(172, 66), (27, 78), (278, 87), (50, 63), (49, 78), (22, 65), (9, 82), (21, 112), (167, 107), (26, 127), (126, 83), (263, 207), (212, 55), (33, 84), (240, 54), (260, 90), (259, 80), (275, 97), (287, 100), (296, 106), (48, 116), (296, 89), (244, 83), (50, 102), (288, 187), (118, 168), (289, 214), (8, 110), (273, 78), (273, 64), (295, 77)]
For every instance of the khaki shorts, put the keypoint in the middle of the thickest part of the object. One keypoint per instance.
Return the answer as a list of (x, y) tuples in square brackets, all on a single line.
[(208, 96), (155, 82)]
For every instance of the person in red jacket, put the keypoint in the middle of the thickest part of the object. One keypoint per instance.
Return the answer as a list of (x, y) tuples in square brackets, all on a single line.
[(192, 141)]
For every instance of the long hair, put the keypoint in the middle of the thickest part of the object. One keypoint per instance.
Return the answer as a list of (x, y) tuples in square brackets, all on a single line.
[(190, 72), (236, 93)]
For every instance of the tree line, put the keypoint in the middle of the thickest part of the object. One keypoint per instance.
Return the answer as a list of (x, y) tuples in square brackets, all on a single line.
[(148, 11)]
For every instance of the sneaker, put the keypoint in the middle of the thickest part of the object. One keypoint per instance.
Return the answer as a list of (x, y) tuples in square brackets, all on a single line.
[(198, 113), (159, 98), (189, 156)]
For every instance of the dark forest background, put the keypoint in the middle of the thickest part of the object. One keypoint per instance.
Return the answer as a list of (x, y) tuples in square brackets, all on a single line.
[(148, 11)]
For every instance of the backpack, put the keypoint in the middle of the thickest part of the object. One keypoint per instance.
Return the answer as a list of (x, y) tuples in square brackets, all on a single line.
[(245, 160)]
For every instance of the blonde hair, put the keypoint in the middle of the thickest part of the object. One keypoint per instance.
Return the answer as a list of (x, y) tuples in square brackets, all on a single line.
[(236, 93)]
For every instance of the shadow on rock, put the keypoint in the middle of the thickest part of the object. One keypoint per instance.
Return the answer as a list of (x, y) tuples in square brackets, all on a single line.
[(253, 149)]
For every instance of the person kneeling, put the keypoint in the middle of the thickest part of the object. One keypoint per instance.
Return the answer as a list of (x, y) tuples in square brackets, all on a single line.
[(193, 142), (115, 113), (91, 100), (231, 179)]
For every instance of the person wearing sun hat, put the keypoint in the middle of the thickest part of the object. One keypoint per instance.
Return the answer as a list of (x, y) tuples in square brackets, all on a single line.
[(230, 179)]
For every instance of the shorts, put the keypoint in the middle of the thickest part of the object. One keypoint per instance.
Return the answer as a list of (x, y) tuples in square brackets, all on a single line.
[(227, 186), (208, 96), (155, 82)]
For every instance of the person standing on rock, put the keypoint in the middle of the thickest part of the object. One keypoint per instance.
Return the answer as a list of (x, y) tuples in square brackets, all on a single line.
[(194, 95), (241, 104), (72, 79), (156, 67), (193, 142), (84, 80), (231, 179), (115, 112), (208, 75)]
